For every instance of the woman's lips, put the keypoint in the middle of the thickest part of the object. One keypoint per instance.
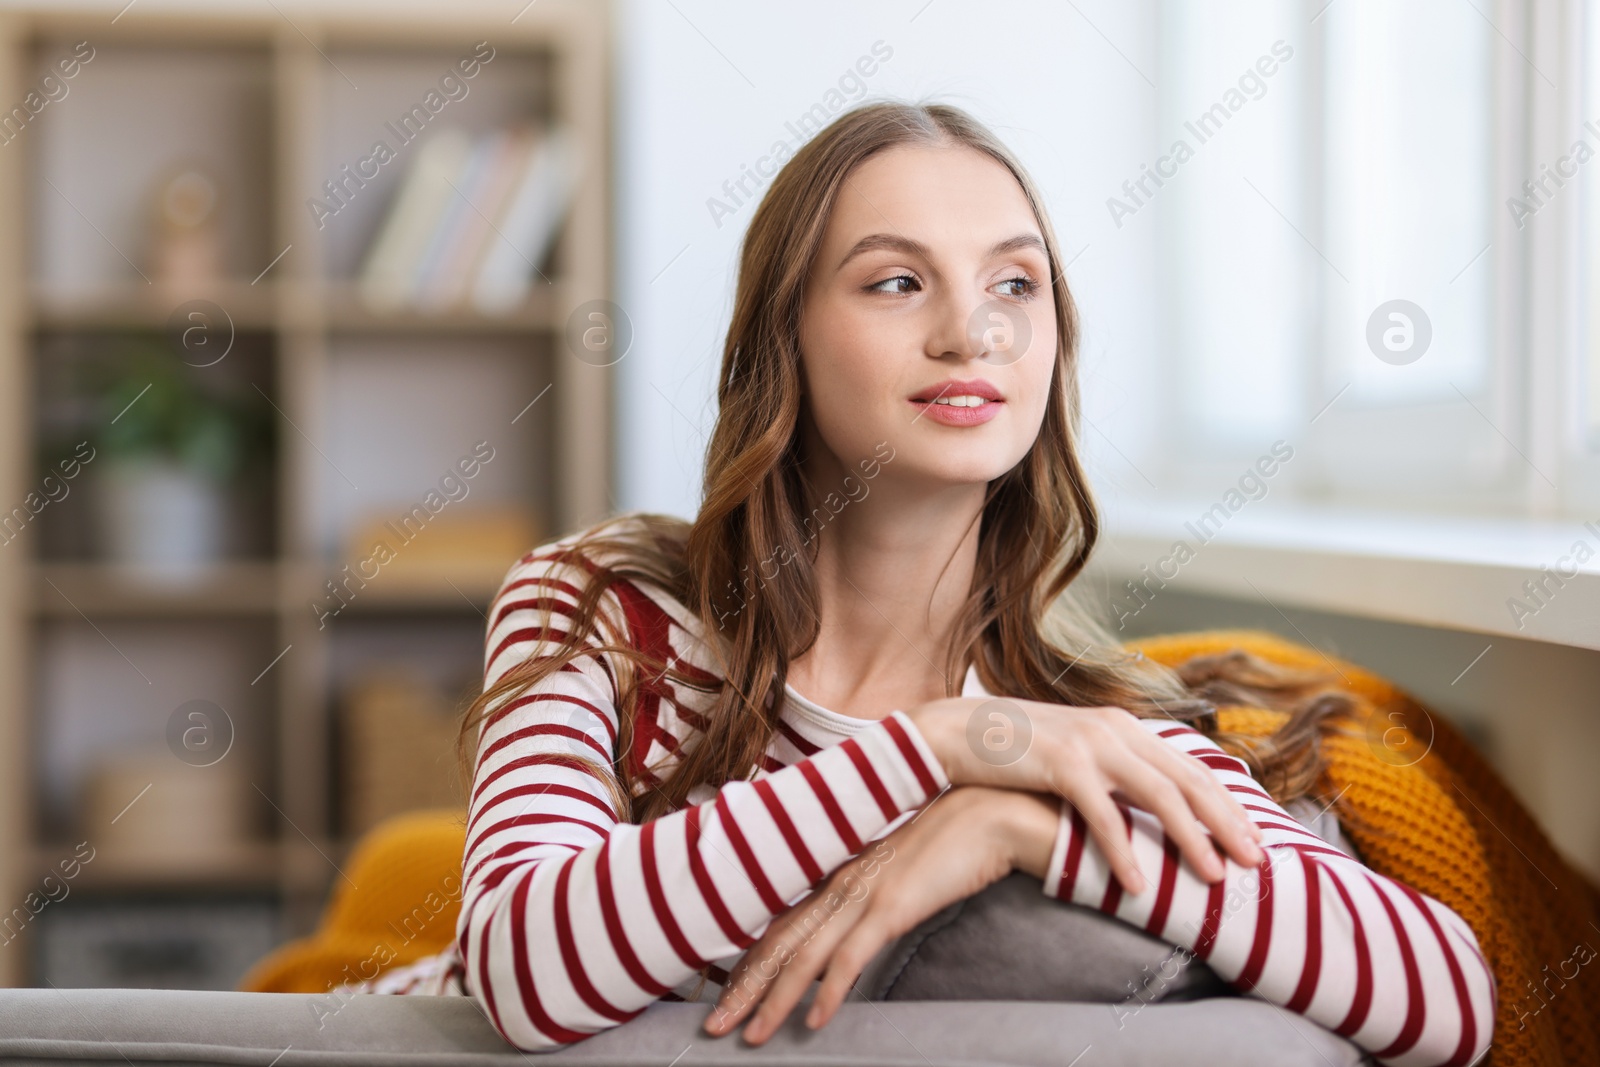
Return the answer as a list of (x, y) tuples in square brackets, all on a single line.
[(952, 415)]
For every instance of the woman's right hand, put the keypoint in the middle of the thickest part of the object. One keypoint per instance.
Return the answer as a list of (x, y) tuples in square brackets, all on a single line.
[(1085, 755)]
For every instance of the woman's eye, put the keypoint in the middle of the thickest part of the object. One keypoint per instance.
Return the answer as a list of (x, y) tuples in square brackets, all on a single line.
[(1026, 286), (879, 286)]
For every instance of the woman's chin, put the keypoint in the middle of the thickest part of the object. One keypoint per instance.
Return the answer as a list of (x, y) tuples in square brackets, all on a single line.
[(941, 472)]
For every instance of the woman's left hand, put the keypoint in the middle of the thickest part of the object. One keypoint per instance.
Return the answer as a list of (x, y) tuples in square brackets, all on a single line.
[(963, 841)]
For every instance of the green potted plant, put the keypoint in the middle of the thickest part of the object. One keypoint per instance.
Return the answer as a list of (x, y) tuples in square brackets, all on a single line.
[(176, 439)]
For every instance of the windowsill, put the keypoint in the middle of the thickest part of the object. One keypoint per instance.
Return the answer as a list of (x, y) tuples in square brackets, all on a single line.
[(1460, 573)]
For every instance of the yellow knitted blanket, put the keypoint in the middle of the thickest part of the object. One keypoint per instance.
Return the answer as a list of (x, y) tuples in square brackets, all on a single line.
[(1423, 807), (1414, 797)]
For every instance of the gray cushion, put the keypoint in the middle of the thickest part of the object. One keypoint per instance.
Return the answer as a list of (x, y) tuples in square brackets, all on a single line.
[(130, 1026), (1011, 942)]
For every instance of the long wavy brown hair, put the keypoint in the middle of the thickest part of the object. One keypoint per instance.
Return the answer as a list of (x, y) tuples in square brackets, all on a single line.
[(1023, 625)]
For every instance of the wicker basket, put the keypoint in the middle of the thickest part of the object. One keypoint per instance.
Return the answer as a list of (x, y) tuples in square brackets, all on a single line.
[(398, 746)]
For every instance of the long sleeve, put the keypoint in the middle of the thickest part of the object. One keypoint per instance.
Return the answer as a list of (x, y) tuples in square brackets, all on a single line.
[(574, 920), (1310, 929)]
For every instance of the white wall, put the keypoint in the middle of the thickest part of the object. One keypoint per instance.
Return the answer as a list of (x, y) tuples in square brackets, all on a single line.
[(705, 87)]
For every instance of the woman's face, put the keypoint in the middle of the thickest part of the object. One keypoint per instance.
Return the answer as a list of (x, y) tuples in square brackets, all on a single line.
[(931, 279)]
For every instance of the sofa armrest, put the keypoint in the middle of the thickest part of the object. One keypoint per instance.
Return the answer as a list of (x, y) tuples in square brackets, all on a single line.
[(131, 1026)]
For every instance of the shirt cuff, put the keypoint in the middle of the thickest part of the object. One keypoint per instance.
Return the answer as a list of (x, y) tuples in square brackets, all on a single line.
[(1051, 883), (908, 752)]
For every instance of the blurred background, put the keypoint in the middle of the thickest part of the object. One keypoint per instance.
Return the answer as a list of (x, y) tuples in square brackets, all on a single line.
[(314, 317)]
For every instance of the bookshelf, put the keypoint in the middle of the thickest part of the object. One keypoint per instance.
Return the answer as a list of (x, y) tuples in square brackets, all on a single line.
[(369, 407)]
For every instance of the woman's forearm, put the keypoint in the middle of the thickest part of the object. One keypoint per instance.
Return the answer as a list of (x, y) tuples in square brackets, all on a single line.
[(1310, 928), (1031, 822)]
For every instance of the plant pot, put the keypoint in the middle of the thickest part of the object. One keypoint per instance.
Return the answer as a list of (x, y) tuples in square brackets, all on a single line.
[(160, 516)]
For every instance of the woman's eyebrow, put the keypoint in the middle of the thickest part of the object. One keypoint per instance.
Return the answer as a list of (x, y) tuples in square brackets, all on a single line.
[(897, 243), (1017, 243)]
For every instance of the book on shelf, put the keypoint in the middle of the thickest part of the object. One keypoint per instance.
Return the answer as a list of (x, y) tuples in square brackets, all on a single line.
[(407, 230), (473, 218)]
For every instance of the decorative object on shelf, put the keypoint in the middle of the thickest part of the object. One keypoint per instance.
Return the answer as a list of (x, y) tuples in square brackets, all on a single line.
[(471, 547), (149, 811), (398, 740), (160, 515), (174, 441), (186, 252), (473, 219)]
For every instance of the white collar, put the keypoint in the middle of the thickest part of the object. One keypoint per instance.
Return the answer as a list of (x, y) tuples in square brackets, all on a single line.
[(835, 722)]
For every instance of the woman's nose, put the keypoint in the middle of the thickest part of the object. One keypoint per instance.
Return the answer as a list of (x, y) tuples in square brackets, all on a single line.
[(1002, 331), (955, 334), (987, 328)]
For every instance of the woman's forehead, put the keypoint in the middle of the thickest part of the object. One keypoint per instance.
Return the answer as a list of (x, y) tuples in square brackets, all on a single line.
[(950, 198)]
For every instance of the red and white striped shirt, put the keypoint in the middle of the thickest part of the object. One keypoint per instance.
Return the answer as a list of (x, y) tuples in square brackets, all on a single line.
[(574, 921), (1310, 929)]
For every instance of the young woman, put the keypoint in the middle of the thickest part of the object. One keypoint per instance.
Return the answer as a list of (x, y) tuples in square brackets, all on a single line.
[(855, 677)]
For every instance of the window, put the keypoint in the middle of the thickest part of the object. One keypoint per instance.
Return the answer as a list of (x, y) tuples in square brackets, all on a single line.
[(1358, 256)]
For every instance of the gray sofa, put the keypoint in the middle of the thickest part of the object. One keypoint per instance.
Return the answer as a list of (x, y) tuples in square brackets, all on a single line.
[(1006, 976), (126, 1026)]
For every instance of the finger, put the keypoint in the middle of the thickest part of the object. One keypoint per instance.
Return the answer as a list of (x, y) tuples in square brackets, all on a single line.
[(793, 980), (747, 984), (844, 968), (753, 975), (1092, 797), (1211, 802), (1208, 799), (797, 973), (1151, 789)]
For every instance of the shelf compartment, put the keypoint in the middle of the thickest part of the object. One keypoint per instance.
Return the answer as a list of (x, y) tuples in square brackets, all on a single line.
[(147, 112), (185, 941), (107, 514), (403, 412), (114, 704), (516, 85)]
